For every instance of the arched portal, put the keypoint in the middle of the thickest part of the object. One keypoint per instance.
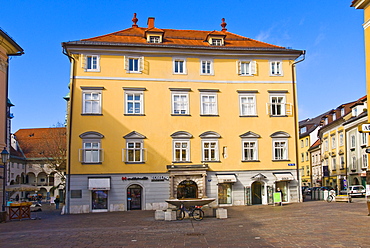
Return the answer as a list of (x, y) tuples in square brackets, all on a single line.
[(257, 193), (134, 194), (187, 189)]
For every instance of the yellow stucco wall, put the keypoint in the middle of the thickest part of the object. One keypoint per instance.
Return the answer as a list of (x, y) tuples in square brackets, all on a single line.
[(158, 124)]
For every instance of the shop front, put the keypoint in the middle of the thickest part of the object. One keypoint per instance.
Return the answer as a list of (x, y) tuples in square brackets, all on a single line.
[(99, 188), (225, 188), (282, 182)]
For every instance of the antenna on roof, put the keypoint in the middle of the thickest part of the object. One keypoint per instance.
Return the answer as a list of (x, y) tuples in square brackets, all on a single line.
[(135, 20), (223, 25)]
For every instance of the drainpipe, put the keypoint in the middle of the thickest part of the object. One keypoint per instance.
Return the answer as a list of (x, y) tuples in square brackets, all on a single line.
[(296, 121), (69, 125)]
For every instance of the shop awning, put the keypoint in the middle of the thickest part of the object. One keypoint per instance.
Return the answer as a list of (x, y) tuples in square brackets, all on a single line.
[(99, 183), (284, 176), (226, 178)]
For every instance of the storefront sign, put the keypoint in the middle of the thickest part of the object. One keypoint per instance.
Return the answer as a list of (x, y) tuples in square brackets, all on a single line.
[(291, 164), (364, 128), (160, 178), (135, 178)]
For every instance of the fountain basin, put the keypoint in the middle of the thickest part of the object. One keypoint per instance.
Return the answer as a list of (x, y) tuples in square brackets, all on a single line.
[(190, 202)]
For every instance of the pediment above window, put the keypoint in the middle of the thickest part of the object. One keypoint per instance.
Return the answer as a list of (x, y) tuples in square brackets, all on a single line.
[(210, 135), (250, 135), (134, 135), (280, 134), (91, 135), (181, 135)]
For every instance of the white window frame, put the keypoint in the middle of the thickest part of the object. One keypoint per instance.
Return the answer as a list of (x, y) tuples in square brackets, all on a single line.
[(92, 102), (216, 41), (134, 69), (181, 106), (302, 157), (276, 145), (247, 156), (246, 67), (247, 108), (363, 139), (354, 163), (154, 39), (276, 68), (210, 149), (341, 162), (206, 67), (176, 66), (91, 63), (94, 152), (134, 150), (278, 107), (334, 163), (341, 139), (134, 102), (307, 157), (352, 141), (333, 142), (364, 161), (207, 107), (326, 144), (181, 149)]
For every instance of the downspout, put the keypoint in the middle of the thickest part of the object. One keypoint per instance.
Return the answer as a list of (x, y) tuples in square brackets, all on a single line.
[(69, 125), (296, 122)]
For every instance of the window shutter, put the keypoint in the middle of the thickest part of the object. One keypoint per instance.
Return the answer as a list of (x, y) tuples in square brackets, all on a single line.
[(268, 109), (83, 61), (141, 64), (253, 67), (289, 108), (238, 67), (126, 63)]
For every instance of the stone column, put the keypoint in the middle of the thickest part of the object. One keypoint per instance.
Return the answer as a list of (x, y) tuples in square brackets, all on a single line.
[(204, 176), (171, 187)]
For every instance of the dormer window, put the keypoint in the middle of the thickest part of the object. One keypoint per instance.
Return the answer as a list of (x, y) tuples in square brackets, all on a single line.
[(216, 42), (154, 39), (341, 111), (334, 116)]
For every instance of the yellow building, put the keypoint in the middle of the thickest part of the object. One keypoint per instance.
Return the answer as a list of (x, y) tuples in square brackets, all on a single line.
[(157, 113), (308, 131), (365, 5), (8, 48)]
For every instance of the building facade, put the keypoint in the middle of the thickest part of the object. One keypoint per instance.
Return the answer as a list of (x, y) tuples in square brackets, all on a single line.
[(356, 143), (37, 162), (158, 114), (333, 146), (316, 167), (8, 48)]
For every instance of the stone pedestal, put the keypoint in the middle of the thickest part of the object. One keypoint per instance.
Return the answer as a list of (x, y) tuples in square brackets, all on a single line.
[(170, 215), (221, 213), (159, 215)]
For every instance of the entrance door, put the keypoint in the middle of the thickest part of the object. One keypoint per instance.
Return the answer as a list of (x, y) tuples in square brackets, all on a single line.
[(224, 193), (134, 193), (256, 193)]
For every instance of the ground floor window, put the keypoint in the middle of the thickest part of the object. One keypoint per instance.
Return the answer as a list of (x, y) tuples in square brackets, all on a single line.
[(99, 199), (284, 189), (187, 189), (224, 193)]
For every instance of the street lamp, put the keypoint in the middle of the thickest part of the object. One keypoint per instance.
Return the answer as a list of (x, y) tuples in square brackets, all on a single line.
[(4, 159)]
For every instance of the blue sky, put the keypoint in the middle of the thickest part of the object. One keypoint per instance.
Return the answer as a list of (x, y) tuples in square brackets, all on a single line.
[(330, 31)]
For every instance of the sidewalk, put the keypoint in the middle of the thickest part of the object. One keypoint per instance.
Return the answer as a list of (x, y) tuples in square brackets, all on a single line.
[(308, 224)]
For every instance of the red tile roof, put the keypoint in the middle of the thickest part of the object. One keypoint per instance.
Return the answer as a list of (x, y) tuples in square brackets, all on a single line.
[(179, 37), (41, 142)]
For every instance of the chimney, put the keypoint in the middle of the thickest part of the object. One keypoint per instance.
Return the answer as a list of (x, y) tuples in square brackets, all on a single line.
[(150, 22)]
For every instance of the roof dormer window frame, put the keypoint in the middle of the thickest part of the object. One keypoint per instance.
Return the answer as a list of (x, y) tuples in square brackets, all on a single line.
[(154, 38), (216, 39)]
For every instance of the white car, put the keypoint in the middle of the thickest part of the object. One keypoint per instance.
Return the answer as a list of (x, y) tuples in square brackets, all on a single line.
[(356, 190)]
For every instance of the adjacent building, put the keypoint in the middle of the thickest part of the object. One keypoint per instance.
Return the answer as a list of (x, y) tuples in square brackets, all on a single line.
[(157, 113), (8, 48), (356, 143), (333, 146), (308, 130)]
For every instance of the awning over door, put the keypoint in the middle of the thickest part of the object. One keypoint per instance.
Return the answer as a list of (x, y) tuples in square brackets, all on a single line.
[(226, 178), (99, 183), (284, 176)]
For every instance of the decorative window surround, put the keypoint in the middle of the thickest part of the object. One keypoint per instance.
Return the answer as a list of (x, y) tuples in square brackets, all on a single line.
[(91, 152)]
